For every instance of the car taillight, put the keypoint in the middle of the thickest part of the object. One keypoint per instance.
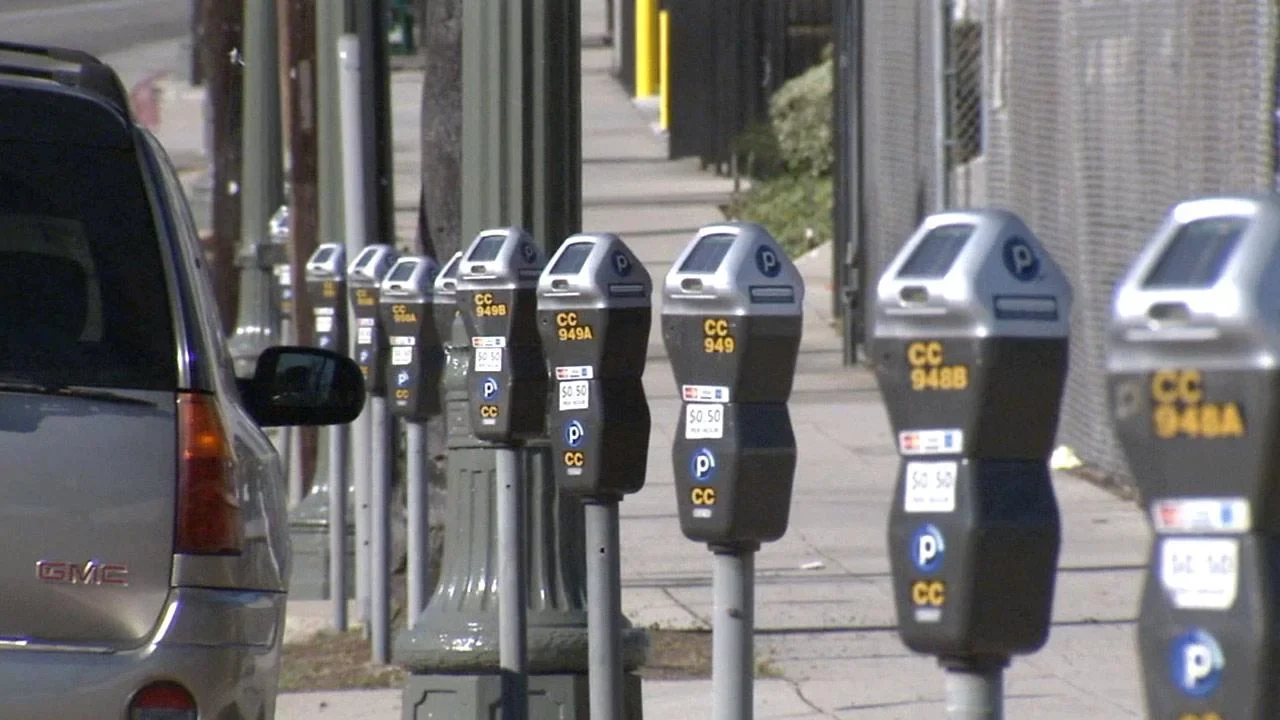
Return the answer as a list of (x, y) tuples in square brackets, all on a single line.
[(163, 701), (208, 509)]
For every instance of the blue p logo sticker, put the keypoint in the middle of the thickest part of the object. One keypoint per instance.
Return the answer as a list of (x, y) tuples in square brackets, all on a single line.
[(702, 466), (1196, 662), (489, 388), (574, 433), (621, 263), (1020, 260), (927, 549), (767, 261)]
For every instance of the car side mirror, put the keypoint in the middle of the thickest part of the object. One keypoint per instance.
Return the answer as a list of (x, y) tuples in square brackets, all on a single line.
[(304, 386)]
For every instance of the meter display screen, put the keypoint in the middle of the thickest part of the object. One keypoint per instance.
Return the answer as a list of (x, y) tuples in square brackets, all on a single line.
[(323, 256), (708, 254), (451, 270), (487, 249), (572, 259), (402, 271), (936, 253), (1198, 253)]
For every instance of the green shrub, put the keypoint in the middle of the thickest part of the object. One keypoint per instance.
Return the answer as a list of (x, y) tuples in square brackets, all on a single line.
[(801, 114), (795, 208), (791, 163)]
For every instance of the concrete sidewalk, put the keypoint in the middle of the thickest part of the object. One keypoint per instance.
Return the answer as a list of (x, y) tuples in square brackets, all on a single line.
[(824, 611)]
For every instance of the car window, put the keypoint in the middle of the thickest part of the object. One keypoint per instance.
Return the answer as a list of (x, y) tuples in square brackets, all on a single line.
[(83, 298)]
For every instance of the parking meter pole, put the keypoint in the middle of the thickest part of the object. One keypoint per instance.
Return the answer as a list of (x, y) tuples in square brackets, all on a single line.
[(416, 508), (975, 690), (352, 141), (604, 609), (380, 531), (513, 587), (257, 318), (732, 625), (339, 439)]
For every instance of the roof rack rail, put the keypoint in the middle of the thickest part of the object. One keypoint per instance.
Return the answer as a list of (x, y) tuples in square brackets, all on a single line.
[(93, 75)]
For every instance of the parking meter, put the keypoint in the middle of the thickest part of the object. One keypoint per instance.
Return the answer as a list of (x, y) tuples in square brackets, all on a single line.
[(364, 277), (594, 314), (444, 298), (1193, 385), (970, 352), (327, 288), (731, 322), (497, 298), (416, 357)]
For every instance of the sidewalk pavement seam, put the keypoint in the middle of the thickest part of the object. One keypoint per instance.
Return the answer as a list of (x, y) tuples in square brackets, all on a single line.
[(704, 621), (795, 686)]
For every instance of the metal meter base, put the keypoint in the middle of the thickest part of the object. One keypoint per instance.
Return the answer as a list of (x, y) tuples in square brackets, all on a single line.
[(309, 536), (478, 697), (458, 632)]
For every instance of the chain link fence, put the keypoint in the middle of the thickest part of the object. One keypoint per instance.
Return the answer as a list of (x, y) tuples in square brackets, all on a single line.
[(1088, 118)]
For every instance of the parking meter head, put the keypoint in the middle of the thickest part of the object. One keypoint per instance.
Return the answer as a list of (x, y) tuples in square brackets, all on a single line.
[(971, 329), (731, 321), (415, 358), (970, 350), (497, 299), (594, 314), (733, 312), (364, 275), (326, 286), (1193, 348), (444, 298)]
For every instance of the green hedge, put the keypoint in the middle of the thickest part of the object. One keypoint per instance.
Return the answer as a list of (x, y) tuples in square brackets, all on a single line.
[(792, 197)]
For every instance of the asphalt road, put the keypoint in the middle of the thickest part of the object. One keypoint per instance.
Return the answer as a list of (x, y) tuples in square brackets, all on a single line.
[(97, 26)]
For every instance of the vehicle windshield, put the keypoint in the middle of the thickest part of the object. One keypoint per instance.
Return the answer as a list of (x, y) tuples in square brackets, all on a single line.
[(83, 298)]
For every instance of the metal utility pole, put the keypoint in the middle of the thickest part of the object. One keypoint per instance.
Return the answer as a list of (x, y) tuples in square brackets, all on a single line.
[(304, 183), (223, 24), (257, 322)]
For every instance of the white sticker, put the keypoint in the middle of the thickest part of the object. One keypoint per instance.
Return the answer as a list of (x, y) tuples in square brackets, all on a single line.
[(488, 359), (575, 395), (931, 487), (930, 442), (1201, 515), (705, 393), (324, 323), (928, 615), (1200, 574), (575, 372), (364, 336), (404, 340), (491, 341), (703, 421), (366, 322), (702, 513), (401, 355)]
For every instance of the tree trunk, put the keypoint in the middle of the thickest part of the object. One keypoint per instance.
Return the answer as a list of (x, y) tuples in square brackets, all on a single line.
[(300, 120), (440, 209), (221, 60), (440, 206)]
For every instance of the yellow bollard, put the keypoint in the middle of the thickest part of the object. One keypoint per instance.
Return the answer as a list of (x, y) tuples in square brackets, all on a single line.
[(664, 69), (646, 48)]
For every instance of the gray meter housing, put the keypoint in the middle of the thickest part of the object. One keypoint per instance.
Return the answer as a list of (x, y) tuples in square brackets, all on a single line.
[(326, 285), (595, 313), (970, 347), (364, 276), (1194, 390), (415, 356), (732, 317), (444, 298), (497, 298)]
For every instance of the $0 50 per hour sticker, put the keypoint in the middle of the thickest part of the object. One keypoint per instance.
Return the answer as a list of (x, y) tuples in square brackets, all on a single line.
[(703, 421)]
